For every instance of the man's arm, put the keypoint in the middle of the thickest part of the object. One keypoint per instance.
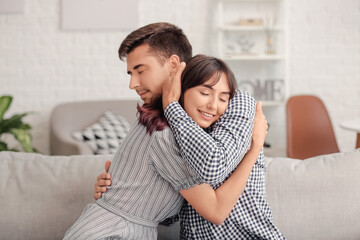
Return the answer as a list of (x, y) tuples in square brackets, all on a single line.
[(216, 155)]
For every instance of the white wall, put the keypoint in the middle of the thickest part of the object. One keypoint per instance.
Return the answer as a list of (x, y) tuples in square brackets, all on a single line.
[(42, 65), (325, 58)]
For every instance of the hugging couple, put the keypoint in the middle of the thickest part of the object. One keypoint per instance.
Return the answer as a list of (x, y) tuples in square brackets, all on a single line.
[(197, 137)]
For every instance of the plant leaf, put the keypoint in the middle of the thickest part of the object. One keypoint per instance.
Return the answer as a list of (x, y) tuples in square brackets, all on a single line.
[(5, 102), (25, 126), (13, 122), (24, 137)]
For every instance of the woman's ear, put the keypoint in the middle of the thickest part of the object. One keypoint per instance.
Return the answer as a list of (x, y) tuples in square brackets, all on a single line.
[(174, 62)]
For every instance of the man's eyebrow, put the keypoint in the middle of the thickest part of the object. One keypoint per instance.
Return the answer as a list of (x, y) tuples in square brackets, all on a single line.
[(136, 67), (211, 88)]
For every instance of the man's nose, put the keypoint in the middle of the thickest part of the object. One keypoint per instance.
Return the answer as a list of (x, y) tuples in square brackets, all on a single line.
[(134, 82)]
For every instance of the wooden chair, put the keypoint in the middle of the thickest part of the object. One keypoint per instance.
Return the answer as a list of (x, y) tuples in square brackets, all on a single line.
[(309, 129)]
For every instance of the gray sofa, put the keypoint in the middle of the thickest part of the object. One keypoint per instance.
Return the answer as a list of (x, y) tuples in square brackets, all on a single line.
[(67, 118), (41, 196)]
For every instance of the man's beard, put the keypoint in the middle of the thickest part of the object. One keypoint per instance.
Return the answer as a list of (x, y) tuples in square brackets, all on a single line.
[(155, 103)]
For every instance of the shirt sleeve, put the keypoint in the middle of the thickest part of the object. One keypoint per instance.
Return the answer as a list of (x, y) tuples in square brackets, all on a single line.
[(168, 162), (214, 156)]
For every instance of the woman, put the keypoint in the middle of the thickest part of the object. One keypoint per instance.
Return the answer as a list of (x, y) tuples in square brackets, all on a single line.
[(148, 172)]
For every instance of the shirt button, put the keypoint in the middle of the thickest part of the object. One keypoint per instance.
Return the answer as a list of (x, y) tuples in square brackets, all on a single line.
[(193, 230)]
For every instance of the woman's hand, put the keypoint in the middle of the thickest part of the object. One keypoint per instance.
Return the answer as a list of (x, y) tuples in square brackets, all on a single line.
[(260, 127), (172, 87)]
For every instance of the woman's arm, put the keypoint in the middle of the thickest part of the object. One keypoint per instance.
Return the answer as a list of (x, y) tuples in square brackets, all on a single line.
[(216, 205), (213, 156)]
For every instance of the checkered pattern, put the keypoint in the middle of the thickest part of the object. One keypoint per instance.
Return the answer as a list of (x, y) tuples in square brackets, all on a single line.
[(214, 156), (104, 136)]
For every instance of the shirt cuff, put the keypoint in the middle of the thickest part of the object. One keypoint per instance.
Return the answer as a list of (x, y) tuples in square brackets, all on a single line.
[(174, 112)]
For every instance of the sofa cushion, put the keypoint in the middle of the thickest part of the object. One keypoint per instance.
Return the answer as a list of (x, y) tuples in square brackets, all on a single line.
[(104, 136), (316, 198), (42, 196)]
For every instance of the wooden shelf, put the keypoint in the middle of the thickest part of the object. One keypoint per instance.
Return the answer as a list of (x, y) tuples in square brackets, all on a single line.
[(250, 0), (248, 28), (254, 57), (242, 38)]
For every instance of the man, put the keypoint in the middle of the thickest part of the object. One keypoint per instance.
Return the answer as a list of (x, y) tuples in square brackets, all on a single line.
[(213, 154)]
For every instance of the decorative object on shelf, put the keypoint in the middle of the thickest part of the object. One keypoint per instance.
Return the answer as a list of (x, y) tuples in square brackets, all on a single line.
[(240, 45), (269, 32), (14, 126), (245, 43), (266, 90), (249, 22)]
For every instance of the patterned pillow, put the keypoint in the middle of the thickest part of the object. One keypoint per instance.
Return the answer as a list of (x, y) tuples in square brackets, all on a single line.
[(106, 135)]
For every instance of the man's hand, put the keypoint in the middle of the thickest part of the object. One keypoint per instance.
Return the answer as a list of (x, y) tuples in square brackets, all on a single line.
[(260, 127), (172, 87), (103, 181)]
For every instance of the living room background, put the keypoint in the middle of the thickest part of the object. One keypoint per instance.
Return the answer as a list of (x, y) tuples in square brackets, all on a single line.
[(42, 65)]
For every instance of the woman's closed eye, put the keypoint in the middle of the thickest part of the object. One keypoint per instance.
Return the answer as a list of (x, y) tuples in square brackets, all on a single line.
[(224, 97)]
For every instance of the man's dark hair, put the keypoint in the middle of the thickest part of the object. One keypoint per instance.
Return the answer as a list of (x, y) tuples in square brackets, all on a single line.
[(164, 40)]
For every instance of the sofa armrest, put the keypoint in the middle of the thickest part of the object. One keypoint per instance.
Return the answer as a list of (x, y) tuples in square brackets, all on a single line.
[(67, 118)]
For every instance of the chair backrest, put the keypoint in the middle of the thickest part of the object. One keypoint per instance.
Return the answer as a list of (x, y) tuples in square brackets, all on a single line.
[(309, 129)]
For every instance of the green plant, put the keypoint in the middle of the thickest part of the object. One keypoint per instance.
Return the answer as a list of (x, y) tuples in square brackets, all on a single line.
[(15, 126)]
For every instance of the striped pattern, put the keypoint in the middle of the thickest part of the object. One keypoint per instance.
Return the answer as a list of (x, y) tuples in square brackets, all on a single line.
[(147, 173), (214, 156)]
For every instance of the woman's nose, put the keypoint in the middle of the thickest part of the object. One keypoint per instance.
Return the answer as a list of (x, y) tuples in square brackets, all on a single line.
[(212, 103)]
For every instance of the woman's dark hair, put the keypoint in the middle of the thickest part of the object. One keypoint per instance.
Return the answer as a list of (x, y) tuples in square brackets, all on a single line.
[(198, 70), (201, 69), (152, 116)]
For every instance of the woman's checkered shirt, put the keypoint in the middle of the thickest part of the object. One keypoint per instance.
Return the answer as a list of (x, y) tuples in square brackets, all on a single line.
[(214, 154)]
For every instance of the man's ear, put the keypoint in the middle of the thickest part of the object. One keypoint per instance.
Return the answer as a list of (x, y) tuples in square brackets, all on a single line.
[(174, 62)]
